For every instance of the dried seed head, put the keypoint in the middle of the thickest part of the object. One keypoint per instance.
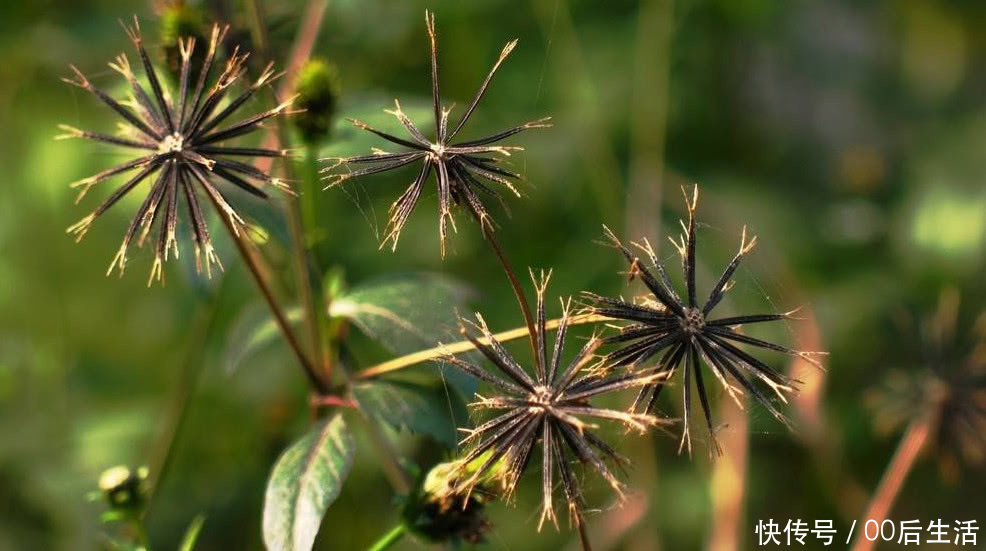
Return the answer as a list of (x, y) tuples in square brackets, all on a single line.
[(551, 406), (950, 389), (463, 170), (677, 331), (179, 138)]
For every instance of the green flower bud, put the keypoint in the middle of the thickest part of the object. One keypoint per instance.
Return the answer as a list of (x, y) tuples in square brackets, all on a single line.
[(123, 489), (318, 94), (179, 20), (440, 510)]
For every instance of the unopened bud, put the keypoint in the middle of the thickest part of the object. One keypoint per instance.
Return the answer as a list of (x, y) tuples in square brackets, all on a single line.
[(439, 509), (179, 20), (124, 489), (318, 95)]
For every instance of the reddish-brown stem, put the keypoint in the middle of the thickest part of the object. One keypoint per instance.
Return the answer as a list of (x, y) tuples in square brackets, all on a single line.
[(583, 535), (332, 401), (300, 52), (511, 275), (282, 321), (900, 465)]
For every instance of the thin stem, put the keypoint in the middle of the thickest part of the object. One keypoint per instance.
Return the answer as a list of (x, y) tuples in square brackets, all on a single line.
[(140, 534), (299, 54), (390, 538), (282, 321), (908, 450), (414, 358), (511, 275), (314, 242), (583, 535)]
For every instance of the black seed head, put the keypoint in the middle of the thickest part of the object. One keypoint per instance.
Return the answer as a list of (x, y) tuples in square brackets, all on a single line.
[(463, 170), (678, 333), (180, 139), (550, 406), (949, 390)]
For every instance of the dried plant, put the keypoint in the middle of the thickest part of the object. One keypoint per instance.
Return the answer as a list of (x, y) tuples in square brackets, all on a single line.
[(460, 168), (182, 141), (679, 330), (549, 407), (179, 136), (950, 391)]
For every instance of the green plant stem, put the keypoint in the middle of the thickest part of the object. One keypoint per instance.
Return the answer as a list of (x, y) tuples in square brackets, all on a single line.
[(140, 534), (300, 53), (313, 241), (390, 538), (302, 268), (309, 206)]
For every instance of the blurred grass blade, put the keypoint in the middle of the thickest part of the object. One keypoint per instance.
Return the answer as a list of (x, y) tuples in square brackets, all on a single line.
[(305, 480), (192, 534), (419, 408)]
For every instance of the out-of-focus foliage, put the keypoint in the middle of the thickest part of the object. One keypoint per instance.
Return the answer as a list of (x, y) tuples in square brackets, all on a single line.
[(849, 136)]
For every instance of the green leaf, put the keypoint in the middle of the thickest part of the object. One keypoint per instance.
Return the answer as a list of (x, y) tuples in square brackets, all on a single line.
[(192, 534), (305, 480), (404, 313), (429, 409), (409, 312), (253, 331)]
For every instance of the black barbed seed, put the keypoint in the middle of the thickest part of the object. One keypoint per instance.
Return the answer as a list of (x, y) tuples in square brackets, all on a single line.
[(679, 332), (184, 135), (462, 170), (551, 407)]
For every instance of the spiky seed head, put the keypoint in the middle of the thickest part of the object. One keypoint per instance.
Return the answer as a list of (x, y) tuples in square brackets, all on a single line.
[(464, 171), (548, 405), (180, 141), (671, 332)]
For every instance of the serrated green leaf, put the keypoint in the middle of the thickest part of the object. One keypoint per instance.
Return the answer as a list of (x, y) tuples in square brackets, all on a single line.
[(409, 312), (429, 409), (305, 480), (192, 534)]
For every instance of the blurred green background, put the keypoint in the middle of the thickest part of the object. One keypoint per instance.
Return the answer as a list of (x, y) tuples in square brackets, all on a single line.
[(850, 136)]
